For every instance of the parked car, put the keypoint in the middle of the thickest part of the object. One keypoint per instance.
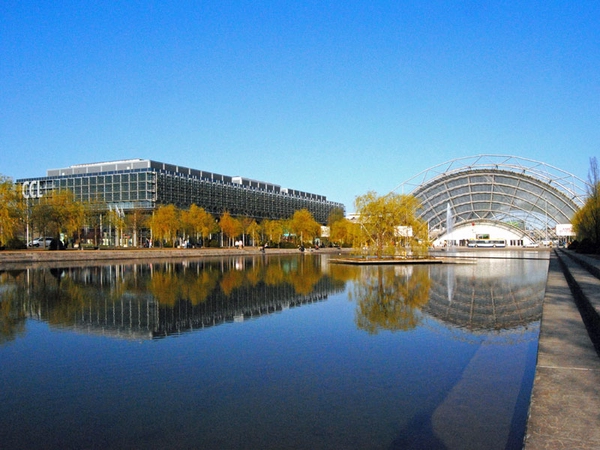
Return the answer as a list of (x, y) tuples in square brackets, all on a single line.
[(531, 245), (41, 242)]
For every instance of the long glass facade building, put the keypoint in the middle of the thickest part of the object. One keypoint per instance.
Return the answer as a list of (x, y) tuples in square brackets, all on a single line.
[(146, 184)]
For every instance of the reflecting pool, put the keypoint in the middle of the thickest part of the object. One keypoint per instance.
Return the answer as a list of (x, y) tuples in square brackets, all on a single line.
[(269, 352)]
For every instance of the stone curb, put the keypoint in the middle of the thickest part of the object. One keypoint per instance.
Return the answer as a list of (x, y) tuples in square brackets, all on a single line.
[(592, 265), (585, 288), (11, 259)]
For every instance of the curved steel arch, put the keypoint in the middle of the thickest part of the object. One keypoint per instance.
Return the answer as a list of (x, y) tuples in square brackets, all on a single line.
[(526, 194)]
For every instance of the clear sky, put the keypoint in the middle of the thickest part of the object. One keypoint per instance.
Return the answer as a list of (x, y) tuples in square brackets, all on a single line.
[(331, 97)]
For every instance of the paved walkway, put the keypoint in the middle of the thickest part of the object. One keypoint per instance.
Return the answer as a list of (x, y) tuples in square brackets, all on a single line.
[(565, 403), (19, 259)]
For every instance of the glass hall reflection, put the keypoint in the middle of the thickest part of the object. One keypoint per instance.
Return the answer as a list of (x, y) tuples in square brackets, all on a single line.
[(493, 295)]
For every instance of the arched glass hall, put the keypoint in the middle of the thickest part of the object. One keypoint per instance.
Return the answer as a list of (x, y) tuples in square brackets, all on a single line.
[(527, 197)]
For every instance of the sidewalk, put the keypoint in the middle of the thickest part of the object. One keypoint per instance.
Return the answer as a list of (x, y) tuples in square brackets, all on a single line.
[(565, 402), (19, 259)]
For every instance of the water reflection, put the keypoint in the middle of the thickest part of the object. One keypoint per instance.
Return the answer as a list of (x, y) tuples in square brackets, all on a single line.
[(161, 298), (421, 357), (490, 296), (12, 319), (493, 295), (390, 297)]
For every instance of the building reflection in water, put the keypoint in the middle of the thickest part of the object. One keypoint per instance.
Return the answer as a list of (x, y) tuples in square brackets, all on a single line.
[(462, 379), (491, 310), (158, 299), (493, 295), (142, 301)]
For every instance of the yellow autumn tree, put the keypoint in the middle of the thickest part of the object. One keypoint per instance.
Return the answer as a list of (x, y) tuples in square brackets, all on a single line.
[(59, 212), (586, 221), (388, 224), (230, 226), (304, 226), (165, 223), (11, 211)]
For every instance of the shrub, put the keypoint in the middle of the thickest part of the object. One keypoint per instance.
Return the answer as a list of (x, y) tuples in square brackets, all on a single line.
[(587, 246), (56, 244), (213, 243), (16, 244)]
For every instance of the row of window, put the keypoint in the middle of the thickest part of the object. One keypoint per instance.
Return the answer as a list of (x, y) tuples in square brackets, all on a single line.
[(215, 197), (106, 179)]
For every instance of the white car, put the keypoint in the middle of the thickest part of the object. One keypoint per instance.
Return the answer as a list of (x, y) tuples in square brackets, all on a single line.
[(531, 245), (39, 242)]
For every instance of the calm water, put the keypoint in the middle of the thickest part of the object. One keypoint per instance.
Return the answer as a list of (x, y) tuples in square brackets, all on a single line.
[(269, 352)]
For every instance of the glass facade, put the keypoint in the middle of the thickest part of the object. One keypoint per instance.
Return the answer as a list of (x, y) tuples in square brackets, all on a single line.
[(513, 193), (496, 196), (125, 189), (146, 184)]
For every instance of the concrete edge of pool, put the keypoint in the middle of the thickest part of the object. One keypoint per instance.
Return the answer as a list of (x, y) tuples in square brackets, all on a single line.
[(564, 410)]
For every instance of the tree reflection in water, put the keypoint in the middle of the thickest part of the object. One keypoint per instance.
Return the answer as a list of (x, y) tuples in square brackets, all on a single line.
[(310, 378), (159, 297), (12, 319), (390, 297), (205, 292)]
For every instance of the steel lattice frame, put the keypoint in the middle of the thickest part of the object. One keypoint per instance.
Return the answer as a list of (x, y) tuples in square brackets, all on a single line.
[(523, 193)]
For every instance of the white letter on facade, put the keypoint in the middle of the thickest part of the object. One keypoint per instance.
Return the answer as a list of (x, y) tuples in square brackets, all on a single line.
[(24, 189)]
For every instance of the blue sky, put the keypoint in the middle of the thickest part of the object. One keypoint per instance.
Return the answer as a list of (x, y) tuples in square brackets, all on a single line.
[(331, 97)]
